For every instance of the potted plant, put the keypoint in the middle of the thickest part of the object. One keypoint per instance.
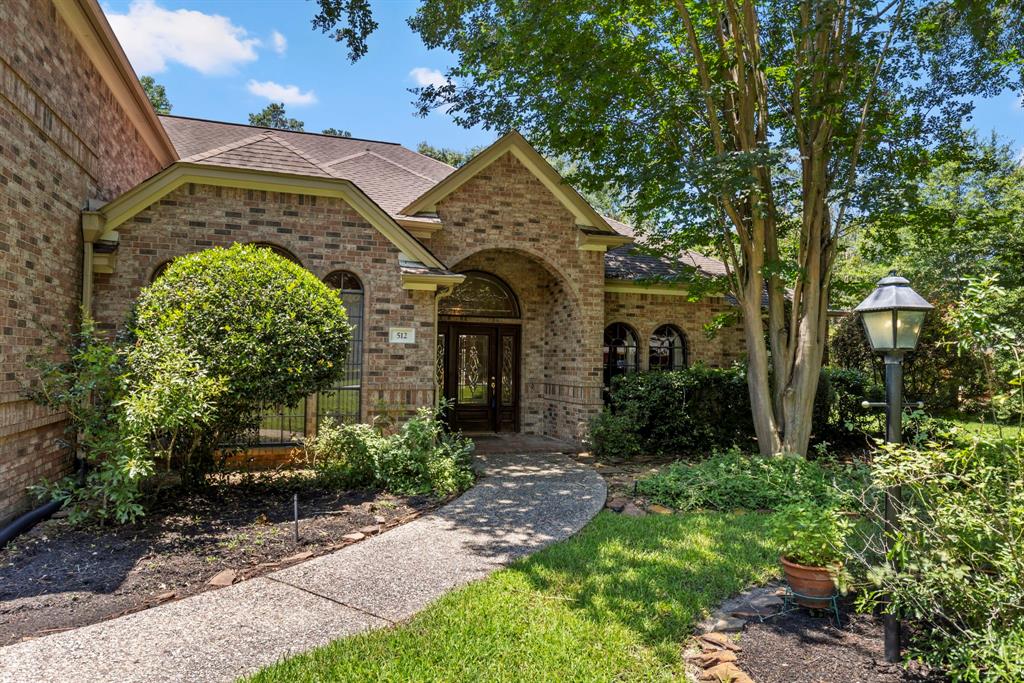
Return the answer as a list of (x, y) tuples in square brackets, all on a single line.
[(811, 539)]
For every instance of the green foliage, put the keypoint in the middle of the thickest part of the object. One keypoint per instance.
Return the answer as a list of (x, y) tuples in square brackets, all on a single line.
[(810, 534), (613, 436), (87, 387), (452, 157), (683, 411), (732, 480), (954, 564), (337, 132), (419, 458), (157, 95), (274, 116), (265, 330), (690, 411)]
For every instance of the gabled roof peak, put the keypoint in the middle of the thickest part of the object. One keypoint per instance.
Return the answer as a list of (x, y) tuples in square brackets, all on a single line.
[(515, 143)]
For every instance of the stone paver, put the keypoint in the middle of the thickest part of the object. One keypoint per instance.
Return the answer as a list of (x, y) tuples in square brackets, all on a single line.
[(521, 504)]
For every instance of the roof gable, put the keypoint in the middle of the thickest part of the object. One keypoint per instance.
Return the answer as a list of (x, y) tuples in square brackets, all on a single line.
[(517, 145), (265, 152)]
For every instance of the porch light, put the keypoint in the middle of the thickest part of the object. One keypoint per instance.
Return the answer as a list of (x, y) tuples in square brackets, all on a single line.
[(893, 315)]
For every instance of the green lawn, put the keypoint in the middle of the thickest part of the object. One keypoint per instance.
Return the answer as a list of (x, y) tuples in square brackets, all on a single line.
[(615, 602), (988, 427)]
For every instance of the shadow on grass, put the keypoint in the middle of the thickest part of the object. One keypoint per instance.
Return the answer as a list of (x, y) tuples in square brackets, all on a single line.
[(656, 576)]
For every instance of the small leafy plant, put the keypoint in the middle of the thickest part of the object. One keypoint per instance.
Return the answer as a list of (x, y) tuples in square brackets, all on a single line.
[(810, 534), (419, 457)]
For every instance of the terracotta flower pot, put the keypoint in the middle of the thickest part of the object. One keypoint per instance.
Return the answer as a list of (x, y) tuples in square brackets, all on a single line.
[(810, 581)]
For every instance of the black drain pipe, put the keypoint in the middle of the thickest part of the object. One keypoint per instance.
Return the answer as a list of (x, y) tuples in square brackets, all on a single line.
[(40, 514)]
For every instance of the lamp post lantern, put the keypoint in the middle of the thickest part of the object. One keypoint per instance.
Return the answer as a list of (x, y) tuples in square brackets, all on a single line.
[(893, 315)]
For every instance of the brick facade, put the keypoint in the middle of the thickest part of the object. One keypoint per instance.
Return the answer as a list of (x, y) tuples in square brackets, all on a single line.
[(63, 140), (647, 312)]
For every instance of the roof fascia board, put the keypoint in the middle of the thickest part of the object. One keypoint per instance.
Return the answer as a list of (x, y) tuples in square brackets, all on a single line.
[(602, 242), (87, 23), (634, 287), (430, 283), (523, 151), (180, 173)]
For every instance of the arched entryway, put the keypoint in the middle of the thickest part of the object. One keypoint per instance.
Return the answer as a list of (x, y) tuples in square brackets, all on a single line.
[(478, 347)]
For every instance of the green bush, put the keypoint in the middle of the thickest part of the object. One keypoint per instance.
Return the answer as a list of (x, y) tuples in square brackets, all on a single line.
[(732, 479), (810, 534), (421, 457), (613, 436), (700, 408), (121, 425), (954, 565), (266, 328)]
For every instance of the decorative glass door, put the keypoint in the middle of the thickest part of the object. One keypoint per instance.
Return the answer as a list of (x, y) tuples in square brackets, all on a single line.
[(479, 373)]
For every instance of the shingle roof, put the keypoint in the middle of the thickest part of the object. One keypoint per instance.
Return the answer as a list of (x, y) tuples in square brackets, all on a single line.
[(630, 263), (388, 173)]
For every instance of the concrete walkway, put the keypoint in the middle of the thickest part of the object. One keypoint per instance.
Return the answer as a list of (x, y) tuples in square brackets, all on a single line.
[(520, 504)]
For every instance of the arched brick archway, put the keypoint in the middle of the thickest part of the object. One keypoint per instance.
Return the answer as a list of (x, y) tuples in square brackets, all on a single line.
[(559, 386)]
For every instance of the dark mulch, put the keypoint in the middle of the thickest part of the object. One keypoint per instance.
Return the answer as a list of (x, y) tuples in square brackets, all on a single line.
[(58, 577), (801, 647)]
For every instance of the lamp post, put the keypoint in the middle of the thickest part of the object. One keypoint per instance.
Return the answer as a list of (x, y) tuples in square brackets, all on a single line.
[(893, 315)]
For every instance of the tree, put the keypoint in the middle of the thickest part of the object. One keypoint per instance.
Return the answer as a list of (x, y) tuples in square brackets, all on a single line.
[(336, 132), (157, 95), (448, 155), (730, 124), (965, 219), (274, 116)]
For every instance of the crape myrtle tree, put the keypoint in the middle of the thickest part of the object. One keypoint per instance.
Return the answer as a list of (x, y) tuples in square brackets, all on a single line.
[(731, 126)]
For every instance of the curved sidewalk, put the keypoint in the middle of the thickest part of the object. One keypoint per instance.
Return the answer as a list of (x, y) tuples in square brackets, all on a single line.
[(520, 504)]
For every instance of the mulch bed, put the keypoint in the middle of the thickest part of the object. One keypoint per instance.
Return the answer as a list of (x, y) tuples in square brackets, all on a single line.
[(58, 577), (803, 647)]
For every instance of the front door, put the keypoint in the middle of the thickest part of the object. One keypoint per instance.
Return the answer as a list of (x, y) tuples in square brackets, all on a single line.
[(481, 377)]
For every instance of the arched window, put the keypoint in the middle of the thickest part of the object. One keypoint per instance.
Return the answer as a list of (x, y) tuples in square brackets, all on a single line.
[(480, 295), (159, 270), (667, 349), (280, 251), (342, 402), (620, 352)]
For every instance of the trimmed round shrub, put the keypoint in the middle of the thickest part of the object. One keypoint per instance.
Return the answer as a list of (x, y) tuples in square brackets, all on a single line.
[(265, 327)]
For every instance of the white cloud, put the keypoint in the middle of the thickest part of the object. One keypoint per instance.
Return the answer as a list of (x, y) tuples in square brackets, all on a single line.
[(424, 77), (275, 92), (153, 36), (279, 42)]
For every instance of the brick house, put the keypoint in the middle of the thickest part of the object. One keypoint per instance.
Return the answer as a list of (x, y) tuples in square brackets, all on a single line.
[(494, 285)]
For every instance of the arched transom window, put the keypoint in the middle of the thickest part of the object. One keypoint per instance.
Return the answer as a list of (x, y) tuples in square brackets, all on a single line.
[(620, 351), (480, 295), (342, 402), (667, 349)]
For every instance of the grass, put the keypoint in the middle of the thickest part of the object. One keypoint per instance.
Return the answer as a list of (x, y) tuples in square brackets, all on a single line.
[(988, 428), (615, 602)]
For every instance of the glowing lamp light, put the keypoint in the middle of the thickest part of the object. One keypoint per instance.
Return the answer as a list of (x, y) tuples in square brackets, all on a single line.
[(893, 315)]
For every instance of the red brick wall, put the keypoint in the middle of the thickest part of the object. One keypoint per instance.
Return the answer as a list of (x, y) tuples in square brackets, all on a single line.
[(647, 312), (63, 140), (505, 220), (325, 235)]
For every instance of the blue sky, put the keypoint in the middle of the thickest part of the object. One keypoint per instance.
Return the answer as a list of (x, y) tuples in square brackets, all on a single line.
[(222, 59)]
